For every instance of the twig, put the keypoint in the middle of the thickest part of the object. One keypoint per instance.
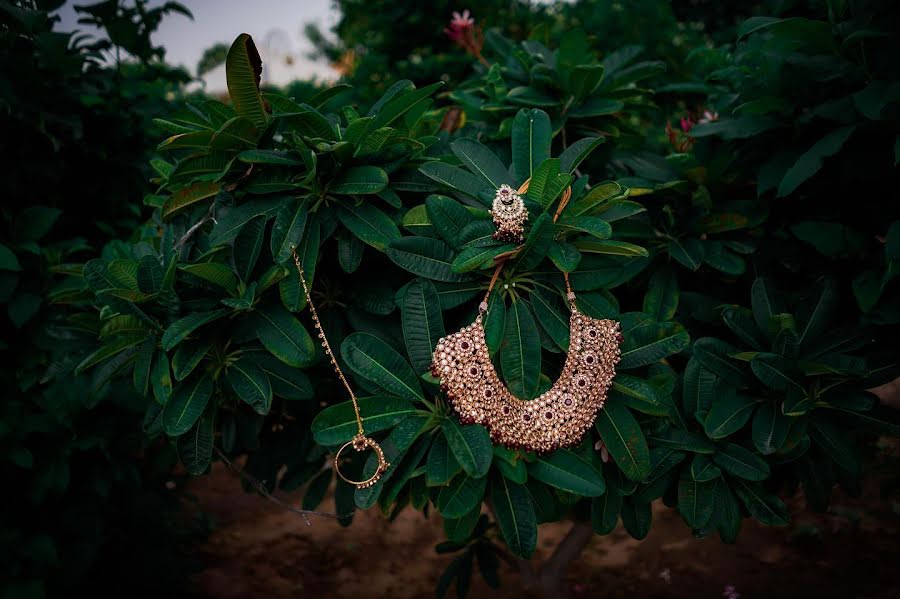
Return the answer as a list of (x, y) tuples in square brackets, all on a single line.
[(210, 216), (565, 553), (262, 490)]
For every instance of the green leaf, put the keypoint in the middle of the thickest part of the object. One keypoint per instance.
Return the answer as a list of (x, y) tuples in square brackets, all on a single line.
[(687, 251), (188, 197), (742, 463), (770, 428), (429, 258), (611, 247), (650, 344), (566, 470), (703, 469), (161, 378), (482, 162), (699, 388), (605, 512), (515, 515), (811, 161), (835, 443), (766, 508), (552, 315), (441, 466), (423, 325), (461, 496), (373, 359), (290, 289), (624, 440), (143, 364), (350, 253), (214, 272), (520, 352), (369, 224), (455, 178), (474, 258), (460, 529), (765, 303), (637, 518), (531, 137), (448, 216), (108, 350), (538, 242), (335, 425), (243, 69), (251, 384), (247, 247), (816, 318), (716, 356), (695, 500), (359, 180), (564, 256), (287, 230), (179, 330), (661, 299), (471, 446), (287, 383), (195, 447), (729, 412), (740, 321), (186, 404), (283, 335), (776, 372), (398, 105), (638, 395), (228, 226), (575, 154), (187, 357), (269, 157)]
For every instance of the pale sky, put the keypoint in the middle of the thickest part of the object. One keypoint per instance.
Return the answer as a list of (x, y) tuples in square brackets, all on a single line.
[(275, 25)]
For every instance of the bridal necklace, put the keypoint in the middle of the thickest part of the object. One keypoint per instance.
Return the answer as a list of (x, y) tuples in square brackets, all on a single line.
[(558, 417)]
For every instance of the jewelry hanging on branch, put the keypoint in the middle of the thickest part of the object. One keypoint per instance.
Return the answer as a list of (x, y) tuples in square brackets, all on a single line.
[(509, 213), (359, 442), (557, 418)]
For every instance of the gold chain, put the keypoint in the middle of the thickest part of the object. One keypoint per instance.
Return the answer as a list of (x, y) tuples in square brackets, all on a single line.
[(324, 340)]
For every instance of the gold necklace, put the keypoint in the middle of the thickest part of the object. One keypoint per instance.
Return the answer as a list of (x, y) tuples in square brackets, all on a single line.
[(360, 441), (558, 417)]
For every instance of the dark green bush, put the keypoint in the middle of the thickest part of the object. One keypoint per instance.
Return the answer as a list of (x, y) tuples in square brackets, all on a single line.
[(752, 269)]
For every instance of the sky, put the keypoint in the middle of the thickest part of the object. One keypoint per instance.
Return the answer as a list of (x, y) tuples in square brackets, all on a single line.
[(275, 25)]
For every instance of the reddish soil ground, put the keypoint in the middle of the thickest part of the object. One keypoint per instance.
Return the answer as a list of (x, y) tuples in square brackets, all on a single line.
[(259, 549)]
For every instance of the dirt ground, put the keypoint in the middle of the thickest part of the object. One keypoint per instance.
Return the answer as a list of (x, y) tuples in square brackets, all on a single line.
[(259, 549)]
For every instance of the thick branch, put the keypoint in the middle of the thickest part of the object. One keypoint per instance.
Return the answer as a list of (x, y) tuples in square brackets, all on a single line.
[(565, 553)]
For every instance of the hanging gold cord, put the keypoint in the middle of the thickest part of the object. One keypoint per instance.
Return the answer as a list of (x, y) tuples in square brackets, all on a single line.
[(567, 195), (324, 340)]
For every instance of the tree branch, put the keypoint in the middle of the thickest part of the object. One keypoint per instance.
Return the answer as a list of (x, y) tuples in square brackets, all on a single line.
[(565, 553), (262, 490)]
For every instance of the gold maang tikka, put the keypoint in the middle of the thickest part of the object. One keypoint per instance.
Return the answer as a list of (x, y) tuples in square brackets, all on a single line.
[(509, 213), (359, 442), (557, 418)]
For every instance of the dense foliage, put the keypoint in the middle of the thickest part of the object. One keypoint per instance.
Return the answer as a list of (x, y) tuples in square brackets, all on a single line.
[(757, 303), (77, 135)]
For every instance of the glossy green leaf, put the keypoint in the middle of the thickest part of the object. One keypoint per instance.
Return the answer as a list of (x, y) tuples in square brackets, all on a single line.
[(716, 356), (696, 500), (360, 180), (251, 384), (605, 512), (243, 68), (461, 496), (186, 404), (661, 299), (287, 230), (520, 352), (429, 258), (647, 345), (373, 359), (741, 462), (441, 465), (770, 428), (423, 325), (531, 137), (568, 471), (729, 412), (179, 330), (195, 447), (482, 162), (283, 335), (624, 440), (515, 515), (471, 446), (335, 425), (369, 224)]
